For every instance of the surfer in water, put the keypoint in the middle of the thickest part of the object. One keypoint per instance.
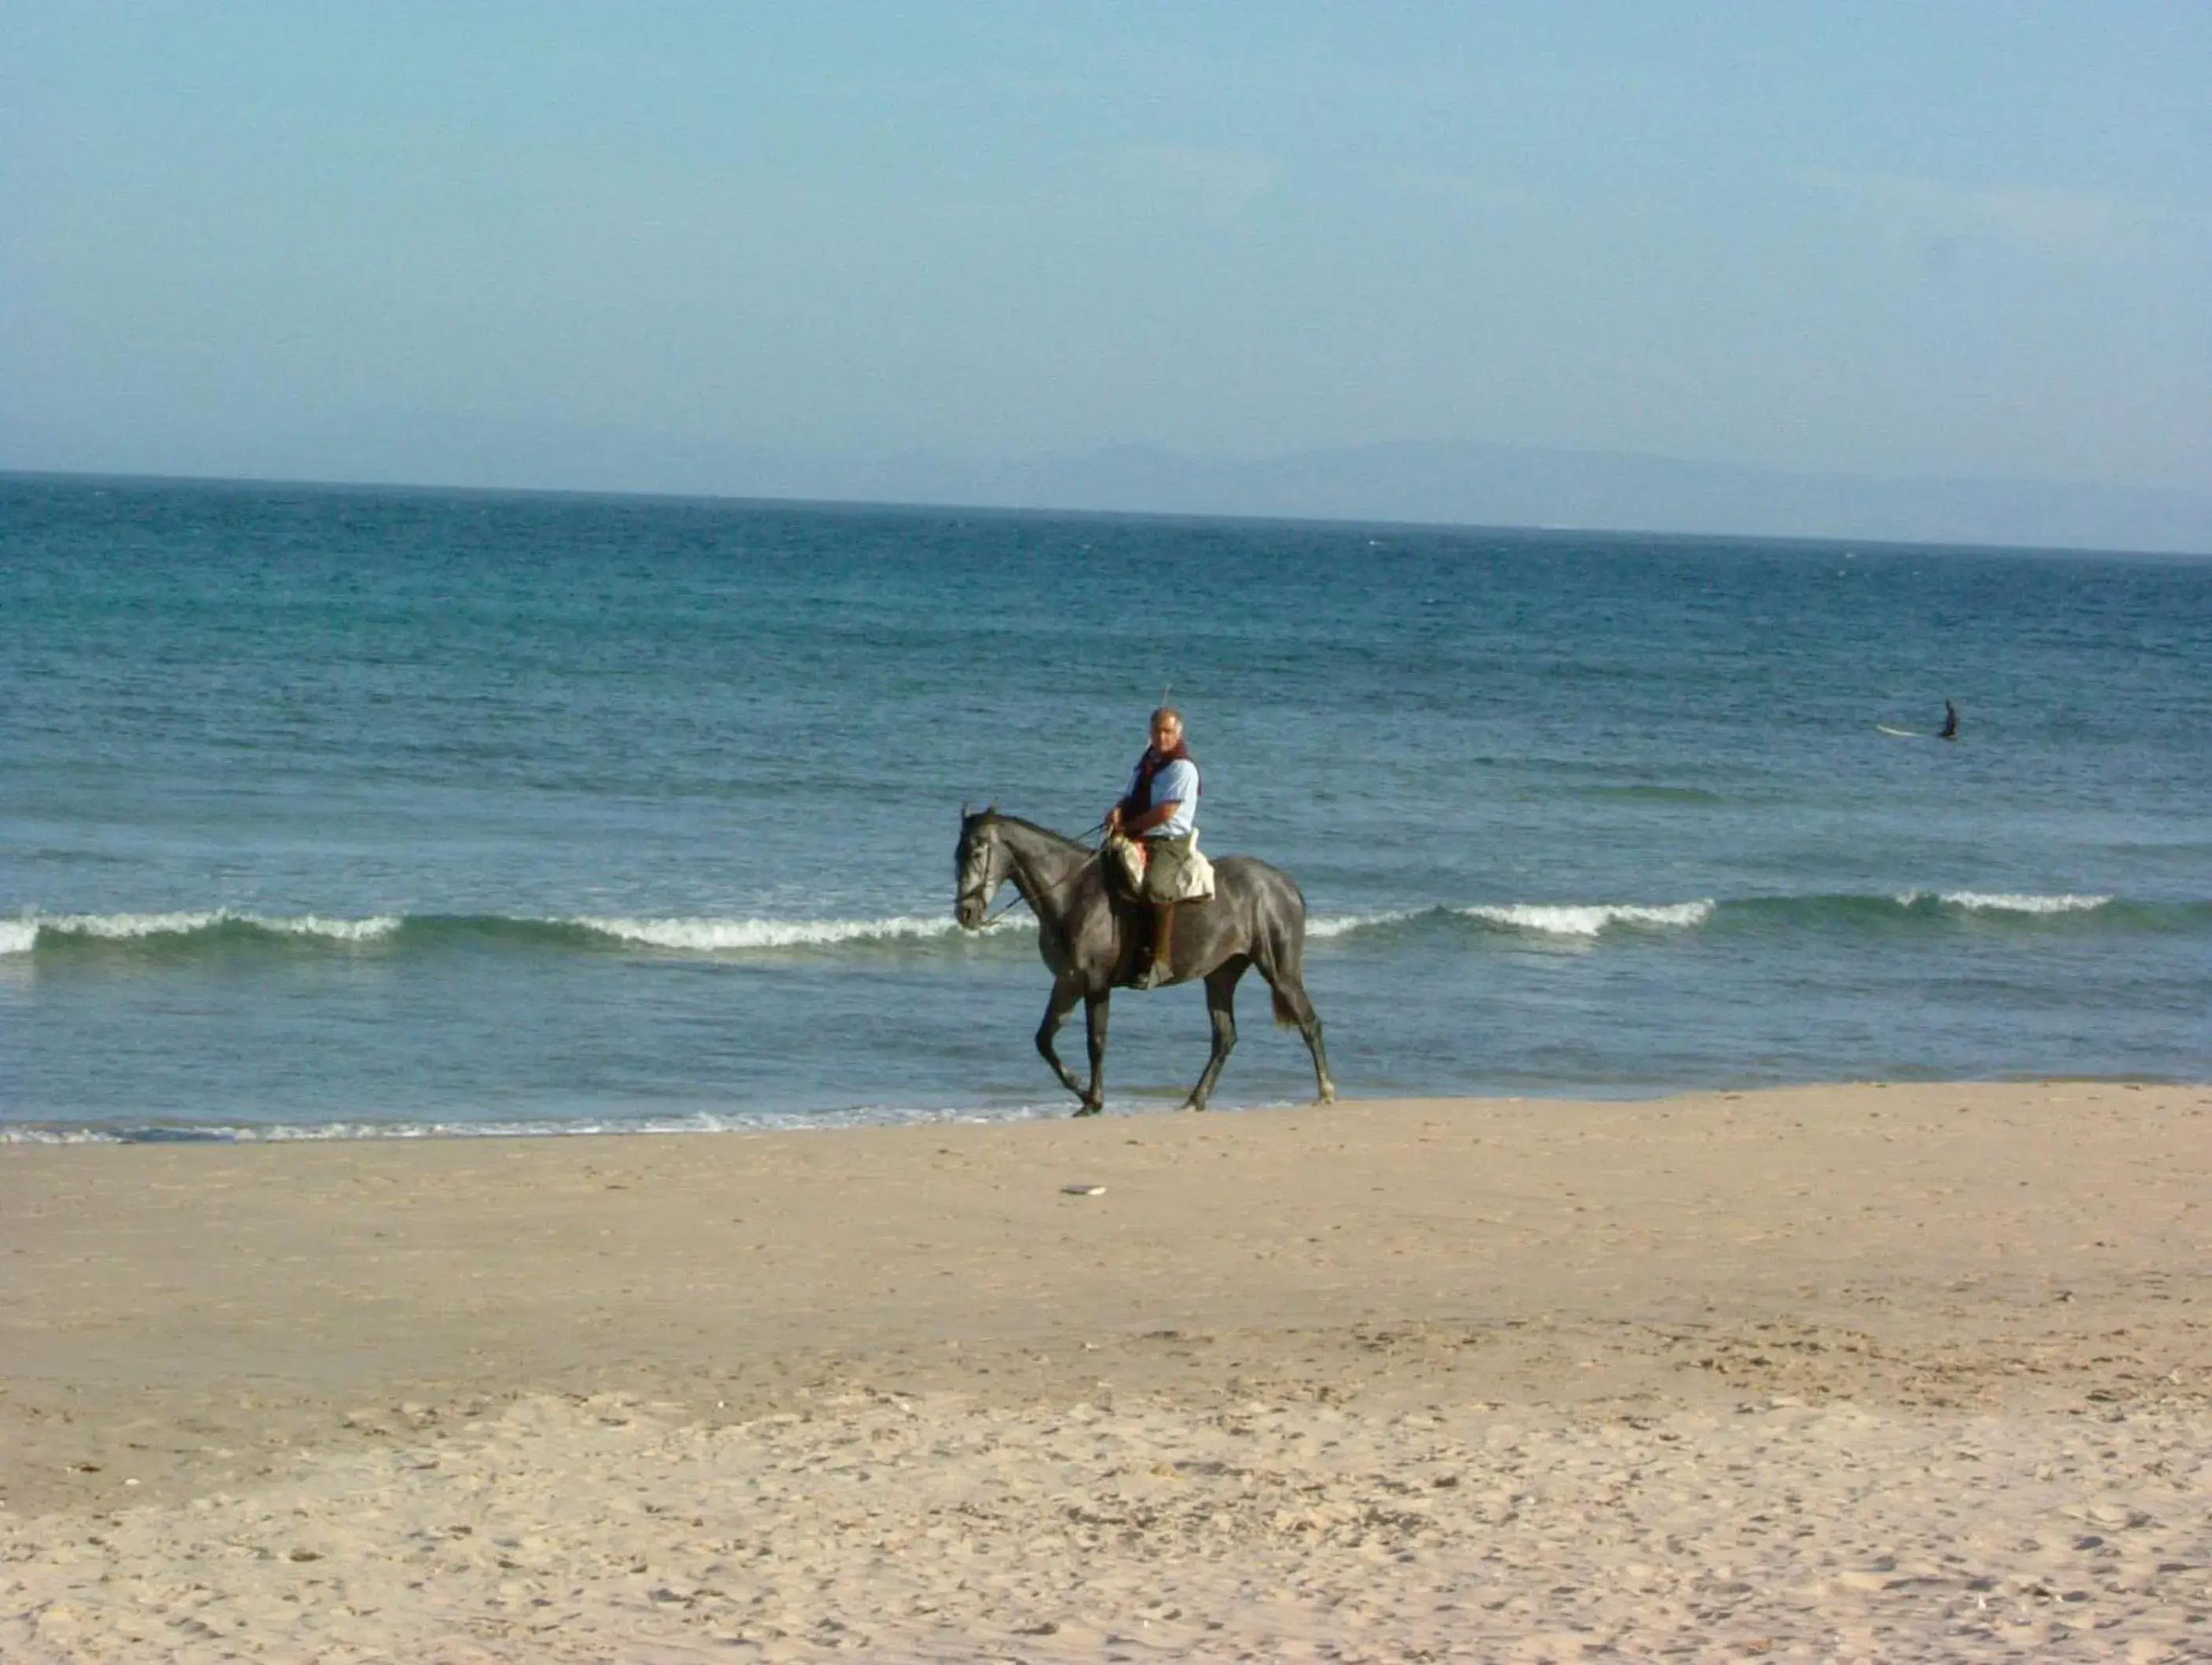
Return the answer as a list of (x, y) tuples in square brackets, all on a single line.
[(1950, 729)]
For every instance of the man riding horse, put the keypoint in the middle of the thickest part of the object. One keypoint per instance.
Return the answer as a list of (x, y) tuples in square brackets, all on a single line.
[(1160, 808), (1256, 921)]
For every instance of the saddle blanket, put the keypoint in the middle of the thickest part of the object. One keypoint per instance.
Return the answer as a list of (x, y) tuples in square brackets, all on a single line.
[(1161, 870)]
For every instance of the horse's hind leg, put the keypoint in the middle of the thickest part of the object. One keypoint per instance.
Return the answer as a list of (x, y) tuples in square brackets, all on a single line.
[(1064, 997), (1291, 1007), (1221, 1010), (1096, 1006)]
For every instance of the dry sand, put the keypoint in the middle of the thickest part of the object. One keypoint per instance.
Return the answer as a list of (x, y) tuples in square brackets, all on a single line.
[(1913, 1372)]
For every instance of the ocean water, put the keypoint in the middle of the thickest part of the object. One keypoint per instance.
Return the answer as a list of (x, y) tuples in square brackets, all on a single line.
[(329, 812)]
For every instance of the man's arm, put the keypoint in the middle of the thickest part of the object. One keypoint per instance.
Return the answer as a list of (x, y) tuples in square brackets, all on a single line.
[(1135, 826)]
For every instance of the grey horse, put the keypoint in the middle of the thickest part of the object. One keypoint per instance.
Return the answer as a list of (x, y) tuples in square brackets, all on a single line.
[(1090, 941)]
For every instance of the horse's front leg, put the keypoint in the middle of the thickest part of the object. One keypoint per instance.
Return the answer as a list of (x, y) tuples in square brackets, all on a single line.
[(1095, 1011), (1064, 997)]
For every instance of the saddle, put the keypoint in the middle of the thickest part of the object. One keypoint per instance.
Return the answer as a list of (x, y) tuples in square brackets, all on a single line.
[(1127, 859)]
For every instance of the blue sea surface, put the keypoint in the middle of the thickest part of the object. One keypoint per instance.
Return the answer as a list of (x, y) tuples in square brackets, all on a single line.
[(332, 810)]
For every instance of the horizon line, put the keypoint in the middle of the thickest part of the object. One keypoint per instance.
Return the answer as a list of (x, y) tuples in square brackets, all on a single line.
[(1545, 531)]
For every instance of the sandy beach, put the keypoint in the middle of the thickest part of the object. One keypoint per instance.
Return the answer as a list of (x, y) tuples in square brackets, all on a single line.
[(1858, 1372)]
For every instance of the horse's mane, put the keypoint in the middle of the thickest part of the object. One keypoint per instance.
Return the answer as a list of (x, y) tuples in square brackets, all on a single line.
[(1032, 826)]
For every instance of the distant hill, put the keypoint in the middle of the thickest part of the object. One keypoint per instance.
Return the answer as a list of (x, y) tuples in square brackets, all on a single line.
[(1446, 483), (1502, 486)]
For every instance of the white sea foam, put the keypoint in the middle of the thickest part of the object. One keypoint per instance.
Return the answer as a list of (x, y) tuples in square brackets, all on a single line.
[(1588, 918), (19, 936), (1978, 901), (55, 1136), (710, 935), (121, 927), (1339, 924), (344, 930), (698, 1121)]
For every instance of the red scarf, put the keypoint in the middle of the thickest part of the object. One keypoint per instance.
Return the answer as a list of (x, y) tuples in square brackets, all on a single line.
[(1154, 760)]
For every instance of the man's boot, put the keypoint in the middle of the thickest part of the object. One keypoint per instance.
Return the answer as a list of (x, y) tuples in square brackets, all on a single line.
[(1160, 970)]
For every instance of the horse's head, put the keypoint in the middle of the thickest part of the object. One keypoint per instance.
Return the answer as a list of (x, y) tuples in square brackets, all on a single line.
[(979, 866)]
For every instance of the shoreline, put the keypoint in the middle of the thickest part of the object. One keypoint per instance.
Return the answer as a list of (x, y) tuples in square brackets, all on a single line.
[(1849, 1281), (1136, 1103)]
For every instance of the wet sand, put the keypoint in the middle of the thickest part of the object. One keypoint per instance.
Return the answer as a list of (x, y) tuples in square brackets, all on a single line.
[(1839, 1372)]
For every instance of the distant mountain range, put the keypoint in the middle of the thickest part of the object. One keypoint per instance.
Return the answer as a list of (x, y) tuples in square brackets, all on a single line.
[(1447, 483), (1504, 486)]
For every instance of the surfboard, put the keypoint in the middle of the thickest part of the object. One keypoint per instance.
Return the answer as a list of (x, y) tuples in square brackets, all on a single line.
[(1901, 734)]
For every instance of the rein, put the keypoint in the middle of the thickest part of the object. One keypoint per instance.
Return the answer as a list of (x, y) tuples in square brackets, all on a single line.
[(1073, 873)]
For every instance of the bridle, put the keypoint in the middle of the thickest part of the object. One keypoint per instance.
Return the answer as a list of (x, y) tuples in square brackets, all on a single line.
[(1069, 878)]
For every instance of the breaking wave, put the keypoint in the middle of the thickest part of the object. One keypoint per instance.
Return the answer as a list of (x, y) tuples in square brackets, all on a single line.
[(1774, 917), (712, 936), (181, 935), (222, 927), (23, 936), (1589, 919), (1976, 902), (1342, 925)]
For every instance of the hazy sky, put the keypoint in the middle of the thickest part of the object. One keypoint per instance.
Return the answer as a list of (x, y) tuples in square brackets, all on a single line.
[(1956, 239)]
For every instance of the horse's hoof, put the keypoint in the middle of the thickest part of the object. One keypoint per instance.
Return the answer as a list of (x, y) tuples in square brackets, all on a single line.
[(1193, 1104), (1089, 1109)]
